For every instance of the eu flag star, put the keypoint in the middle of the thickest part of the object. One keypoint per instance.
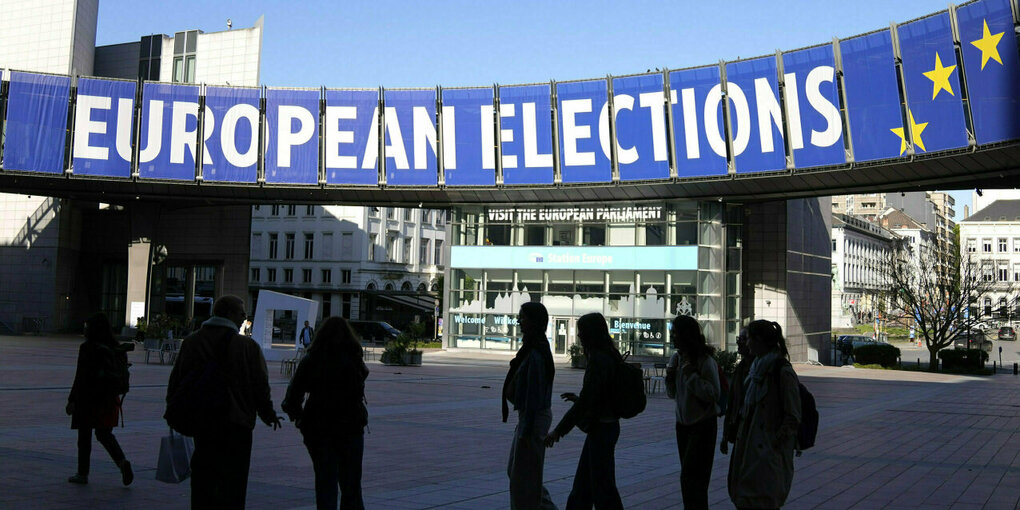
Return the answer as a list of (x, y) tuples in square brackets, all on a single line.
[(940, 77), (915, 129), (988, 44)]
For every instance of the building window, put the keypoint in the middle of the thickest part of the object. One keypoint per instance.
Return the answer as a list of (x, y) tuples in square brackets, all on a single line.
[(345, 305), (306, 276), (986, 245), (288, 275), (271, 274), (391, 248), (391, 213), (971, 245), (407, 214), (1003, 248), (309, 210), (327, 245), (327, 276), (423, 252), (256, 245), (327, 305), (438, 259), (309, 246), (833, 245), (373, 212), (288, 248), (256, 274), (291, 210), (426, 215), (371, 246), (275, 211), (273, 241), (345, 275), (1003, 274), (347, 246), (150, 51), (988, 306), (407, 251), (185, 46)]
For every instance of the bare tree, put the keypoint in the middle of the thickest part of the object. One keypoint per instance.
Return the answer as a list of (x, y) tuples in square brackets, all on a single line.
[(937, 297)]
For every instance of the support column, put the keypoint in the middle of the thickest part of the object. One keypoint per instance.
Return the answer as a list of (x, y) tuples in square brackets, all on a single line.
[(143, 221), (189, 295)]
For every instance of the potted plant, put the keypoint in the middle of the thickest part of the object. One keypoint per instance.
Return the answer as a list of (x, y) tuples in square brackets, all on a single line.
[(403, 350), (577, 359)]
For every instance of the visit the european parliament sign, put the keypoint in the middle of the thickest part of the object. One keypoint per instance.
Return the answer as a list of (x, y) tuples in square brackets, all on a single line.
[(944, 82)]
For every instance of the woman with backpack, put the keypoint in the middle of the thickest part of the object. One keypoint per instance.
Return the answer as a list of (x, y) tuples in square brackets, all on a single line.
[(333, 419), (697, 388), (761, 469), (92, 405), (592, 412)]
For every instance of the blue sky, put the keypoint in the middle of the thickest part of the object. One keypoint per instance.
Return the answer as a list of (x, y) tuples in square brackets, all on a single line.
[(313, 43)]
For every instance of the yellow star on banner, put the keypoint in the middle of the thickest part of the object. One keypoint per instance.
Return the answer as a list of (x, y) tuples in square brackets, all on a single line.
[(916, 129), (940, 77), (988, 44)]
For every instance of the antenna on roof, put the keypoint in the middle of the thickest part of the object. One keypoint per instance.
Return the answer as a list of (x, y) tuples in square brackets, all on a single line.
[(229, 24)]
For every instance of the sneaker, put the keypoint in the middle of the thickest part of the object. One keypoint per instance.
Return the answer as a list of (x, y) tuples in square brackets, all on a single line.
[(79, 479), (126, 475)]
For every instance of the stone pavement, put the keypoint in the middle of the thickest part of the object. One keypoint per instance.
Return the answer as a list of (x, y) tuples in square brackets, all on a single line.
[(895, 440)]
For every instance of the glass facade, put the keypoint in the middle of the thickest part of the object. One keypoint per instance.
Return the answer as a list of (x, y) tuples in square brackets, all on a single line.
[(639, 265)]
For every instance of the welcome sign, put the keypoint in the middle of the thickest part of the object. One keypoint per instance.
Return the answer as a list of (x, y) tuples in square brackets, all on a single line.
[(827, 105)]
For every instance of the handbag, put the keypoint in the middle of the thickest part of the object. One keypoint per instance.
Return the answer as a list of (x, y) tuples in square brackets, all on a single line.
[(174, 465)]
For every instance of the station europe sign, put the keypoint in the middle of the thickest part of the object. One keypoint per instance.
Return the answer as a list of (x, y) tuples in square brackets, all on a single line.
[(826, 105), (598, 258)]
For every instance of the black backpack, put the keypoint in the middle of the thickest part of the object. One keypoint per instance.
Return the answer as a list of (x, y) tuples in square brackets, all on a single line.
[(628, 391), (113, 376), (202, 399)]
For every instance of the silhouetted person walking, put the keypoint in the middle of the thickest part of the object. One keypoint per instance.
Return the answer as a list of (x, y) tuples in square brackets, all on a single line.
[(333, 420), (592, 412), (528, 386), (735, 399), (761, 470), (220, 463), (697, 410), (92, 404)]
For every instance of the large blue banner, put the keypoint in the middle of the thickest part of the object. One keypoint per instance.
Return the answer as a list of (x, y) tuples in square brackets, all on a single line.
[(993, 72), (469, 157), (103, 127), (36, 122), (812, 107), (930, 77), (756, 119), (352, 136), (698, 131), (584, 131), (231, 134), (639, 105), (169, 133), (525, 136), (292, 129), (411, 153), (872, 96)]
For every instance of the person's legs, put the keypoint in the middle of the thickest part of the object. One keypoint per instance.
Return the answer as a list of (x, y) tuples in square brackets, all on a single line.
[(351, 454), (84, 450), (527, 460), (105, 437), (204, 473), (219, 468), (324, 462), (696, 462), (602, 463), (236, 465), (580, 493)]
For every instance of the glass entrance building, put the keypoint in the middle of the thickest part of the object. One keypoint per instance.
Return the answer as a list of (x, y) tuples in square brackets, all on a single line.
[(639, 265)]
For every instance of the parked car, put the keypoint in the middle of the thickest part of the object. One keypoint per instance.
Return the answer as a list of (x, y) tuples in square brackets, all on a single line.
[(855, 340), (375, 331), (1007, 333), (973, 339)]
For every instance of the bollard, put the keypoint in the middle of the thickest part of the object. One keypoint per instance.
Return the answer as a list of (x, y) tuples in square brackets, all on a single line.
[(1014, 369), (994, 371)]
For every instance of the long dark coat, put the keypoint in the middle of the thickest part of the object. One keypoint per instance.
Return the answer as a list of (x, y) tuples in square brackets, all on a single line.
[(93, 408)]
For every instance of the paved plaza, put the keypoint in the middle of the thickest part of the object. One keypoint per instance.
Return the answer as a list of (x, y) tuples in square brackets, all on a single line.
[(886, 440)]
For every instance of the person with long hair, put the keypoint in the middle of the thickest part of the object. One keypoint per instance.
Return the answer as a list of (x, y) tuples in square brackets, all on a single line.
[(333, 419), (697, 394), (735, 399), (90, 405), (761, 470), (528, 386), (592, 412)]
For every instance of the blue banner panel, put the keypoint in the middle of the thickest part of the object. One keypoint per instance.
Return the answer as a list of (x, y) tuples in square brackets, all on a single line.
[(292, 128), (36, 122), (525, 136), (352, 136), (872, 96), (584, 131), (699, 135), (411, 153), (469, 156), (812, 107), (602, 258), (231, 130), (755, 115), (934, 107), (993, 71), (640, 109), (103, 127), (169, 133)]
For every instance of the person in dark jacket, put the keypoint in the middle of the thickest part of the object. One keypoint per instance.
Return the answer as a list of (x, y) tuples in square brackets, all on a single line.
[(92, 407), (528, 386), (222, 456), (592, 412), (333, 419), (735, 399)]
